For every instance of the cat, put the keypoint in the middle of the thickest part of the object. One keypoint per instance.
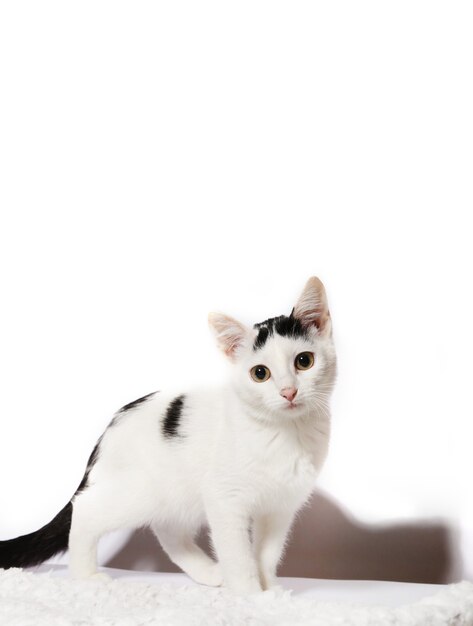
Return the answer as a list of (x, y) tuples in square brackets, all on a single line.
[(242, 458)]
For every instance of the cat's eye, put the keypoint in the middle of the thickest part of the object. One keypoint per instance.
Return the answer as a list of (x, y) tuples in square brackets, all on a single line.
[(304, 361), (260, 373)]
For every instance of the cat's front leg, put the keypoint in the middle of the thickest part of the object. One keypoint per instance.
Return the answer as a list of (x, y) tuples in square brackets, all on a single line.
[(231, 540), (269, 536)]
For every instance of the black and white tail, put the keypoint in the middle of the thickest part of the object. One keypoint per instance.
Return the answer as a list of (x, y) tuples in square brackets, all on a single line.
[(51, 539), (39, 546)]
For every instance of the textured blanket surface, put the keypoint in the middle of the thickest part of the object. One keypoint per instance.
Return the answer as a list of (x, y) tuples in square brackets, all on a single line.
[(31, 599)]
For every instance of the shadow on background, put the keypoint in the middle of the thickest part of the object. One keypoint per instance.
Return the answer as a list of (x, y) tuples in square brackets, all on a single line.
[(326, 542)]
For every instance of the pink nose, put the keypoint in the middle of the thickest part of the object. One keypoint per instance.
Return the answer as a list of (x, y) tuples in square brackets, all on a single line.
[(289, 393)]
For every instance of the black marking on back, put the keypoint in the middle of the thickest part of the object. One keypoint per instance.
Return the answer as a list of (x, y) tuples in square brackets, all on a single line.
[(128, 407), (173, 417), (135, 403), (90, 464), (95, 452), (286, 326)]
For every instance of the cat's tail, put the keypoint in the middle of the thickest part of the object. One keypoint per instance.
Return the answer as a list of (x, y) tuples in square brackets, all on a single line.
[(39, 546)]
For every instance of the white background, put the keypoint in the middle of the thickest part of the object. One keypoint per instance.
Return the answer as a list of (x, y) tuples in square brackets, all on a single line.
[(160, 160)]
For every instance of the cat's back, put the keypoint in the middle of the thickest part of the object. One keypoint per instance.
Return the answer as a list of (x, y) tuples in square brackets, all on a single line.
[(152, 460), (162, 428)]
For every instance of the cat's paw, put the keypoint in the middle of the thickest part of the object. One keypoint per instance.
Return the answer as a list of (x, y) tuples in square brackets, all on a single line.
[(276, 589), (245, 587), (100, 577)]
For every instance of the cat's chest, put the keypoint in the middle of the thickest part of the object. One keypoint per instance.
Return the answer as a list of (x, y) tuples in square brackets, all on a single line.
[(292, 476), (280, 466), (272, 482), (285, 462), (291, 452)]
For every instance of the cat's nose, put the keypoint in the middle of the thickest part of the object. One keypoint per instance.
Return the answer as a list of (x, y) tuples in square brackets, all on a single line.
[(289, 393)]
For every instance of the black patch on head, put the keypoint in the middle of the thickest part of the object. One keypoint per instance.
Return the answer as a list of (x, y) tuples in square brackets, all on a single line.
[(136, 403), (172, 417), (262, 335), (283, 325)]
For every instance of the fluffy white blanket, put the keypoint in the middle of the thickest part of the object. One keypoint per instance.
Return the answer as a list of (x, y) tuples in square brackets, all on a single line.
[(29, 599)]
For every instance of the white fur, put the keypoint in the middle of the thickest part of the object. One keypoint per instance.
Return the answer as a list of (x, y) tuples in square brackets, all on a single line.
[(243, 459)]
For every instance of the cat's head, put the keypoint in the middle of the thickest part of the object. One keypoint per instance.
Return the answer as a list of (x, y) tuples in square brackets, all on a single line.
[(284, 367)]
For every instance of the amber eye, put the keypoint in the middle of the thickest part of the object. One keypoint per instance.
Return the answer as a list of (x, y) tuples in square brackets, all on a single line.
[(304, 361), (260, 373)]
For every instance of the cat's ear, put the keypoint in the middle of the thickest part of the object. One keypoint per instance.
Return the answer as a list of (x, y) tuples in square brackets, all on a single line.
[(312, 307), (230, 334)]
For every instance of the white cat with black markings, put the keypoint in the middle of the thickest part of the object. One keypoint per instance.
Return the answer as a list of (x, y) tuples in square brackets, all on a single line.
[(242, 458)]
